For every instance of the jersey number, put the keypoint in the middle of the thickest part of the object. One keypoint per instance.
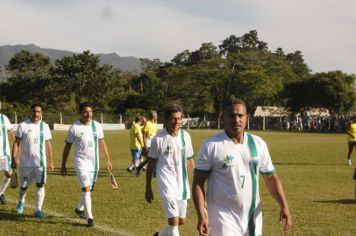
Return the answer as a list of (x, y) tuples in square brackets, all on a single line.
[(242, 178)]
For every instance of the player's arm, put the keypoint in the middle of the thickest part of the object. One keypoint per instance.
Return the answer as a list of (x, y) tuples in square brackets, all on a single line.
[(149, 173), (275, 188), (15, 153), (65, 154), (199, 201), (11, 135), (139, 138), (190, 166), (104, 151), (49, 154)]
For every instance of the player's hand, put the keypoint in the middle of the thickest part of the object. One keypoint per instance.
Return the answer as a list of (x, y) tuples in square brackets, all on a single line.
[(203, 227), (50, 167), (145, 151), (149, 195), (63, 170), (14, 164), (286, 218), (109, 166)]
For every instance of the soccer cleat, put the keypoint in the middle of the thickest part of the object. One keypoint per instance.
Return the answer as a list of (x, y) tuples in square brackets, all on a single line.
[(349, 162), (80, 213), (20, 207), (39, 214), (129, 170), (90, 223), (2, 199), (156, 234)]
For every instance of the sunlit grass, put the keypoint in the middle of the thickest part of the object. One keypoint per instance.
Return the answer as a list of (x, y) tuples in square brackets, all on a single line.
[(317, 182)]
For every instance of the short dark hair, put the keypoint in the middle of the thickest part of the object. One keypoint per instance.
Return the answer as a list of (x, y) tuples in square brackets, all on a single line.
[(228, 103), (85, 104), (172, 108), (150, 113), (36, 105), (138, 118)]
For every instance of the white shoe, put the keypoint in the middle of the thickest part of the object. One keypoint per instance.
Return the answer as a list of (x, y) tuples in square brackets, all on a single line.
[(349, 162)]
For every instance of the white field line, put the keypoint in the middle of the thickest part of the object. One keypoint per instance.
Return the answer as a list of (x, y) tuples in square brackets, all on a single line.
[(103, 228)]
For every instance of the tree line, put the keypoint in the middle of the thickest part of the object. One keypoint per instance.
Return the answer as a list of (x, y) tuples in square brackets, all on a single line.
[(241, 67)]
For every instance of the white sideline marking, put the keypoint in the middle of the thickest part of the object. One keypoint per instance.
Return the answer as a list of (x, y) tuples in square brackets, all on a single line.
[(103, 228)]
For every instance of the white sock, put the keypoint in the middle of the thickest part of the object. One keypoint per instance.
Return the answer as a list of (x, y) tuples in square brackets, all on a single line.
[(172, 230), (40, 195), (3, 185), (80, 205), (87, 204), (163, 232), (22, 195)]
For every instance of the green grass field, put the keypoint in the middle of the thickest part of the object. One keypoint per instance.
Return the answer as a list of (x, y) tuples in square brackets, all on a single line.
[(317, 182)]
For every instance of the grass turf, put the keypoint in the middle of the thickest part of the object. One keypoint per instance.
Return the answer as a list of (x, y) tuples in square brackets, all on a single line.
[(317, 182)]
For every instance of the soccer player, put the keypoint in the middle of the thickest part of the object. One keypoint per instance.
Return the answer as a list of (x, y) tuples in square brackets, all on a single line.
[(171, 153), (355, 181), (6, 134), (149, 131), (351, 138), (230, 162), (136, 143), (32, 147), (88, 137)]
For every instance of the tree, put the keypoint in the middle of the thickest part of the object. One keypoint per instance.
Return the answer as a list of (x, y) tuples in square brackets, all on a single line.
[(81, 78), (298, 64), (332, 90), (28, 78), (249, 41)]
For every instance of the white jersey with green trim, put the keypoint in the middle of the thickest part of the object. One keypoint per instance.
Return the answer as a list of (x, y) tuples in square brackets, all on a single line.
[(5, 126), (85, 139), (172, 153), (233, 199), (33, 143)]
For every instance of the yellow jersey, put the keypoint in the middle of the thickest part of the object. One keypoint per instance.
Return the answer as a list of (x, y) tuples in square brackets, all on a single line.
[(134, 142), (150, 128), (352, 130)]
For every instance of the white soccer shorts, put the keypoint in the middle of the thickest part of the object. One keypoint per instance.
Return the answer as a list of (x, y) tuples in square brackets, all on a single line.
[(5, 163), (28, 175), (174, 208), (85, 178)]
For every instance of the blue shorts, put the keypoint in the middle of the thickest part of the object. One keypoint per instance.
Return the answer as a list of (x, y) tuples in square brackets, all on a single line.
[(136, 154), (351, 143)]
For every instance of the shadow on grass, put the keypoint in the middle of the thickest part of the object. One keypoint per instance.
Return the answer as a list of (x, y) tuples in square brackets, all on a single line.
[(339, 201), (102, 173), (307, 164), (51, 220), (13, 216)]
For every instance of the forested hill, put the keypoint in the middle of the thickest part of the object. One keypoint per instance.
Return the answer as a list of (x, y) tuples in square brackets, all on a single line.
[(122, 63)]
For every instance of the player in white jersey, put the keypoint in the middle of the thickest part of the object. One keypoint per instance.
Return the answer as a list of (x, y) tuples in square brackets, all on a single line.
[(231, 162), (33, 149), (171, 153), (6, 134), (88, 137)]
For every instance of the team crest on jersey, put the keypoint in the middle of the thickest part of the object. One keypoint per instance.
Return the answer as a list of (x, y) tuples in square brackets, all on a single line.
[(169, 150), (81, 134), (227, 161)]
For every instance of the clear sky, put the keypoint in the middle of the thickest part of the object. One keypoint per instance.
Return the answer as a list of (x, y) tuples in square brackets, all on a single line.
[(324, 30)]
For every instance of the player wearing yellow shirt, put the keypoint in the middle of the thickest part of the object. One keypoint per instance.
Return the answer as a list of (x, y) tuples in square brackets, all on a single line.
[(351, 138), (136, 143), (149, 131)]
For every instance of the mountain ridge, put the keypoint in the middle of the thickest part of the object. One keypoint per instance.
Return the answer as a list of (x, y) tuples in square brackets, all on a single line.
[(127, 63)]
